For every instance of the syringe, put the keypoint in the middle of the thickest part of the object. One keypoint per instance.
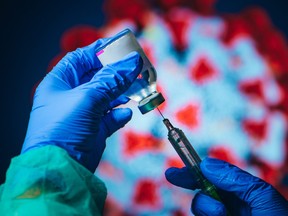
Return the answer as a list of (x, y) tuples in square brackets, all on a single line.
[(190, 157)]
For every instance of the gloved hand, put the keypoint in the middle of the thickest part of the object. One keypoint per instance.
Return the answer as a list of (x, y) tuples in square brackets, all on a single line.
[(72, 106), (241, 192)]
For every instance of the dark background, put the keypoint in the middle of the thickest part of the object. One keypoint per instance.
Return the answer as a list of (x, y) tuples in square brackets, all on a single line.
[(30, 34)]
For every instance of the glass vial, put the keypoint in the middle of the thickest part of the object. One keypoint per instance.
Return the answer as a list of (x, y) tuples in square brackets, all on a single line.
[(143, 89)]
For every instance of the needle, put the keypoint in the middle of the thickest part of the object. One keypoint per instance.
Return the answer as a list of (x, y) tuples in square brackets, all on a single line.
[(160, 113)]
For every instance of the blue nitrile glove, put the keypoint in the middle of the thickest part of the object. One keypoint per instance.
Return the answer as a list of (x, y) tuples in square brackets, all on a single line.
[(242, 193), (73, 104)]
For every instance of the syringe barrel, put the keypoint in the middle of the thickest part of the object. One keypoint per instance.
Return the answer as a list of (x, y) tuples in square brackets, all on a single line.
[(191, 159)]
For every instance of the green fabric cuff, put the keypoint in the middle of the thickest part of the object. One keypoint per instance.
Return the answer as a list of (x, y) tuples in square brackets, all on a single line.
[(47, 181)]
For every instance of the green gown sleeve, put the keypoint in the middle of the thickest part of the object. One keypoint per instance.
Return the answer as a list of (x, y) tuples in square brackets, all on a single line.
[(47, 181)]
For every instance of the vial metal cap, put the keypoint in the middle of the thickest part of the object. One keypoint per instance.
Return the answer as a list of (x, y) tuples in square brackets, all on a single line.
[(151, 102)]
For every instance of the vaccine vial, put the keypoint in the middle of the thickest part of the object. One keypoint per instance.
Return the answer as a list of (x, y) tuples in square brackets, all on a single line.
[(143, 89)]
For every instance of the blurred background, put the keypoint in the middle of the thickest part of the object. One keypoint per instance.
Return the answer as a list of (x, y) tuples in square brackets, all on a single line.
[(222, 67)]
